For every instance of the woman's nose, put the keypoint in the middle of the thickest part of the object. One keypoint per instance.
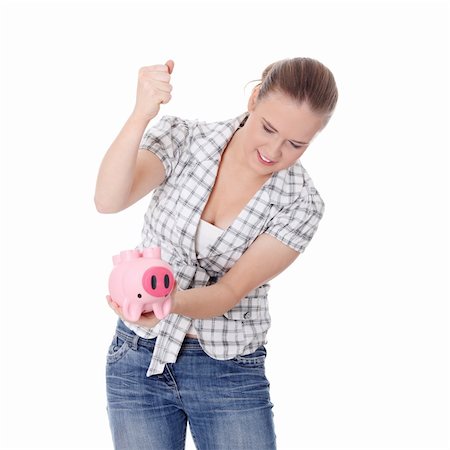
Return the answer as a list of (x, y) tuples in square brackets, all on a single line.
[(272, 152)]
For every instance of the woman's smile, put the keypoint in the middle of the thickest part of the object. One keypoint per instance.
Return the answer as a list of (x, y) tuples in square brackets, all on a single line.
[(263, 161)]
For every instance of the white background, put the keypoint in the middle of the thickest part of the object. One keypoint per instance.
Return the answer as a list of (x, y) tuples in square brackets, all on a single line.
[(364, 310)]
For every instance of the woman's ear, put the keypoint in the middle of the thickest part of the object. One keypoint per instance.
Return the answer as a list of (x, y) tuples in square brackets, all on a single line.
[(252, 100)]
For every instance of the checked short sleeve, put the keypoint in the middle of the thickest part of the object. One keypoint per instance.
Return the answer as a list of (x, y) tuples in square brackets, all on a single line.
[(166, 140), (295, 224)]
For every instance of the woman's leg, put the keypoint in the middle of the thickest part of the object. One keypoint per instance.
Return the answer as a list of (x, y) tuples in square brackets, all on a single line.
[(144, 412), (227, 402)]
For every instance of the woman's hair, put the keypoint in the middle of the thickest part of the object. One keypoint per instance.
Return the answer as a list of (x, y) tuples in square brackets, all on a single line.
[(303, 80)]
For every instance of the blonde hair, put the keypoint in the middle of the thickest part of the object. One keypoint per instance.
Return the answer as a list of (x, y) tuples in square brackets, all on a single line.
[(303, 80)]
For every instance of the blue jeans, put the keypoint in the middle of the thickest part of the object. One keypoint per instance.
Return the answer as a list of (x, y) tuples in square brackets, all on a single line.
[(226, 402)]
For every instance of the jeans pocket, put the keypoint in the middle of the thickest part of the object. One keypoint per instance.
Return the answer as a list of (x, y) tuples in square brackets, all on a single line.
[(255, 359), (117, 349)]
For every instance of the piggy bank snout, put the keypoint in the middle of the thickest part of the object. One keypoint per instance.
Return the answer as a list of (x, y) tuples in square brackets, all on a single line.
[(158, 281)]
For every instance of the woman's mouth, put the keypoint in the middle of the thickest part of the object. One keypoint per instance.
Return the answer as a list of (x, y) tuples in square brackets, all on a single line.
[(263, 161)]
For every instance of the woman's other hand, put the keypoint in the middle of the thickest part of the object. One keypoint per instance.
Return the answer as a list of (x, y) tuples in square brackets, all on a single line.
[(147, 319)]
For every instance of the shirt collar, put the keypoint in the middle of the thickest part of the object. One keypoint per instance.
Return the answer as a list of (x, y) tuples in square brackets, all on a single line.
[(210, 139)]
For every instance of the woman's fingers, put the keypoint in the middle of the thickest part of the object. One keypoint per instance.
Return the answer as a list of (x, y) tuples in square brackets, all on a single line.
[(147, 319), (170, 64), (114, 305), (153, 89)]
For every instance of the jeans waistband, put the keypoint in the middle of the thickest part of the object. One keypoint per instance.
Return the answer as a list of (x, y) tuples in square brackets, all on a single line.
[(130, 336)]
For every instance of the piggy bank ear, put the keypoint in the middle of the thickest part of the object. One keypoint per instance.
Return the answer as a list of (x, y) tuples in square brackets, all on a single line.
[(131, 311)]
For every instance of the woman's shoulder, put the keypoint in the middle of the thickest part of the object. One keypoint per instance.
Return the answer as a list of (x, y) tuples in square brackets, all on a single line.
[(204, 127), (308, 185), (309, 194)]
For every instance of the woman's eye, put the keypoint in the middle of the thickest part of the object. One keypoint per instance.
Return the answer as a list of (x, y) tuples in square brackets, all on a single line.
[(269, 131)]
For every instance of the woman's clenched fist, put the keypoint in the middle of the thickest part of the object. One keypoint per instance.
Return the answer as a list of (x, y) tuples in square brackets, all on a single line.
[(153, 89)]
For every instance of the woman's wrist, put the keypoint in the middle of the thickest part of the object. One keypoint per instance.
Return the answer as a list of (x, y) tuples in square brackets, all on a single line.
[(176, 302)]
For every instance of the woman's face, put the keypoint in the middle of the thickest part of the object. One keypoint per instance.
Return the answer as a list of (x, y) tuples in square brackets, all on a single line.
[(279, 129)]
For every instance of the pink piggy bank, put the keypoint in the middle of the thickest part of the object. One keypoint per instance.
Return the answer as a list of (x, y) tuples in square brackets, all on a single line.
[(141, 282)]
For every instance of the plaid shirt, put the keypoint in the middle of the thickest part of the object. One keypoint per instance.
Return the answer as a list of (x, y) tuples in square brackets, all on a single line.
[(287, 207)]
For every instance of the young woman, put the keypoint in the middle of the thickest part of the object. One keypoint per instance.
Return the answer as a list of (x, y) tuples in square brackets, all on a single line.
[(232, 208)]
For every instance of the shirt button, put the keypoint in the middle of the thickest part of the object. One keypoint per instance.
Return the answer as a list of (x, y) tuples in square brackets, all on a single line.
[(246, 315)]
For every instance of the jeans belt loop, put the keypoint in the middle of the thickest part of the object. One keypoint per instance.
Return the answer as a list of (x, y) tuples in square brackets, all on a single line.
[(134, 343)]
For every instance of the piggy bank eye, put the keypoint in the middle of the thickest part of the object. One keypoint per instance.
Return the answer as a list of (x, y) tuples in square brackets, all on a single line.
[(166, 281), (139, 295)]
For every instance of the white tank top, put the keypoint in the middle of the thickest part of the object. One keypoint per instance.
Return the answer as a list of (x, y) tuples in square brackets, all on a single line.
[(206, 234)]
